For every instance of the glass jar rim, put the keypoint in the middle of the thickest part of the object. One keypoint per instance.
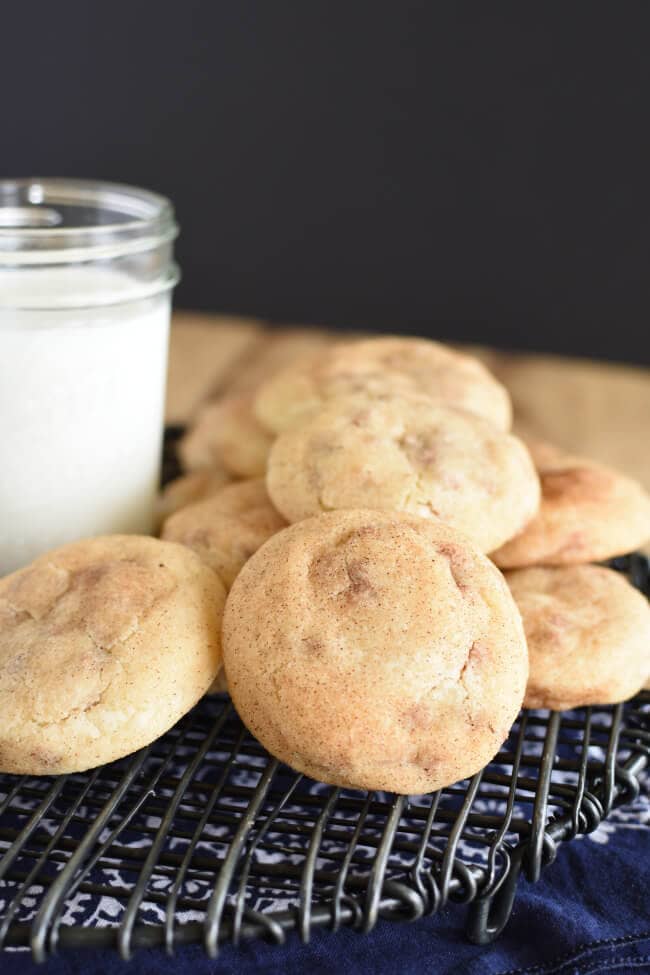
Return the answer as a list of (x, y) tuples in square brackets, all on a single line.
[(60, 221)]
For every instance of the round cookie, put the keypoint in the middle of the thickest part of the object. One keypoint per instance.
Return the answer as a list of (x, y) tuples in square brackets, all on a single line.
[(405, 453), (275, 350), (226, 433), (588, 633), (104, 645), (226, 528), (189, 488), (375, 650), (382, 365), (588, 513)]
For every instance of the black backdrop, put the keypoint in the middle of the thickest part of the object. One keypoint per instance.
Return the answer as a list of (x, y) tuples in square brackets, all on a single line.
[(476, 170)]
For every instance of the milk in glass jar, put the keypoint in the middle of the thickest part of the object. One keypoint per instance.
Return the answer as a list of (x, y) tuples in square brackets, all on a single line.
[(86, 275)]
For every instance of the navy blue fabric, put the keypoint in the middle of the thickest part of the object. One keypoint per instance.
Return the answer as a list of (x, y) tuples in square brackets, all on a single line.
[(589, 913)]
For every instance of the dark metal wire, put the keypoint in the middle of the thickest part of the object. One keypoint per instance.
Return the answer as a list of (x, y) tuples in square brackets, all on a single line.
[(295, 855), (204, 838)]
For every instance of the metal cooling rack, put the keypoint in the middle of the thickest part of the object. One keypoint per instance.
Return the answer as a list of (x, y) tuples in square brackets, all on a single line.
[(202, 837)]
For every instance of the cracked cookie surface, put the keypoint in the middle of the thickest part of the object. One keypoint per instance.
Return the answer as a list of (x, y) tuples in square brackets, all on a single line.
[(588, 633), (104, 644), (405, 453), (375, 650), (588, 513), (377, 366)]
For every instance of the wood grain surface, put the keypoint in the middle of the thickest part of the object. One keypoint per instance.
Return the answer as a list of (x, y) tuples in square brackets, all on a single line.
[(594, 408)]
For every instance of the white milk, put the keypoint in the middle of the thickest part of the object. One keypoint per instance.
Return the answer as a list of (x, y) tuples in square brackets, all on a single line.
[(81, 407)]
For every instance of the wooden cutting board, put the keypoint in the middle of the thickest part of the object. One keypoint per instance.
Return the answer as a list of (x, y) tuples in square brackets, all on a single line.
[(599, 409)]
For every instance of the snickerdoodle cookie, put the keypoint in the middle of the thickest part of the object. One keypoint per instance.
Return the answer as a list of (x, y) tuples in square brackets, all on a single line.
[(588, 513), (226, 433), (226, 528), (588, 633), (405, 453), (275, 351), (375, 650), (104, 645), (189, 488), (380, 365)]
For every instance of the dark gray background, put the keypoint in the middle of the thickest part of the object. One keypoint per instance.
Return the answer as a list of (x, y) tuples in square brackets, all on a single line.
[(475, 170)]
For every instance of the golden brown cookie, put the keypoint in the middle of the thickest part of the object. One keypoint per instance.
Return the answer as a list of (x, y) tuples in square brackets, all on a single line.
[(588, 513), (405, 453), (188, 488), (375, 650), (104, 645), (381, 365), (278, 348), (225, 529), (588, 633), (225, 533), (226, 433)]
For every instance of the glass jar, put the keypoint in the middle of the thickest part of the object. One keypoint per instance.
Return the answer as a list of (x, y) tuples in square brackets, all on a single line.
[(86, 275)]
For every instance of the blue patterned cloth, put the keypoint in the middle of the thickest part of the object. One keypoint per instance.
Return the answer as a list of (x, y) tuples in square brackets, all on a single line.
[(589, 913)]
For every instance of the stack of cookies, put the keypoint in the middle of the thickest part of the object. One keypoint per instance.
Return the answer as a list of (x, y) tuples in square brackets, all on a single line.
[(385, 571), (369, 638)]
